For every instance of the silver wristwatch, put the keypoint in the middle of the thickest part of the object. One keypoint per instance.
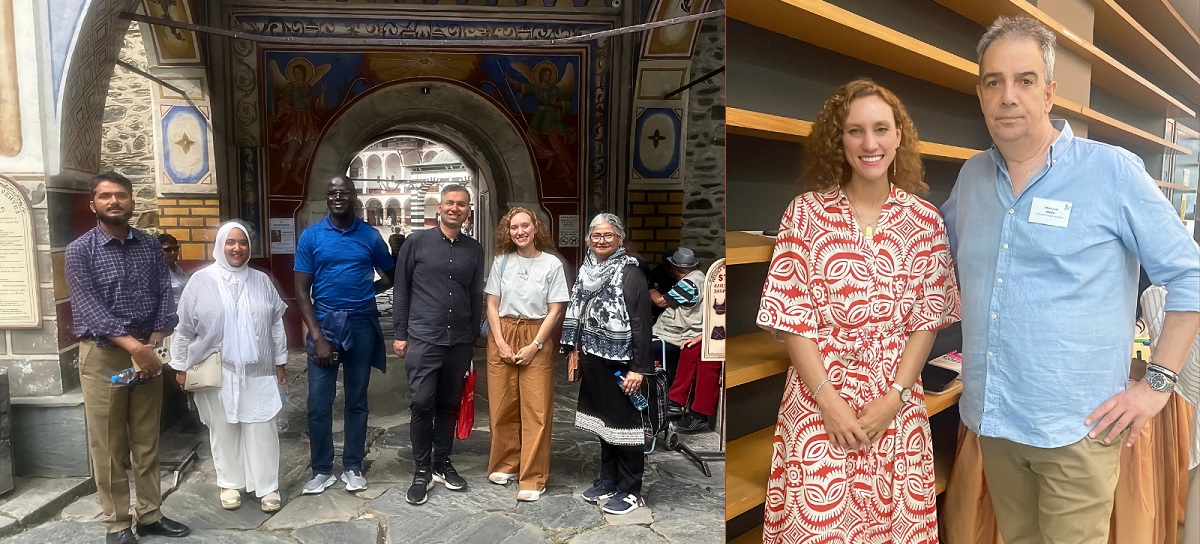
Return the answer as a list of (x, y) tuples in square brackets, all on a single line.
[(905, 392), (1160, 379)]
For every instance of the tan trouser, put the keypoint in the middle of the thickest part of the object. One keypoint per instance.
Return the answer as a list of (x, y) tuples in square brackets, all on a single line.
[(1052, 495), (123, 423), (521, 406)]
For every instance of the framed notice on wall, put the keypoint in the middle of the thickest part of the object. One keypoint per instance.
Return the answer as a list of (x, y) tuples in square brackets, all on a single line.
[(568, 230), (282, 235), (19, 294)]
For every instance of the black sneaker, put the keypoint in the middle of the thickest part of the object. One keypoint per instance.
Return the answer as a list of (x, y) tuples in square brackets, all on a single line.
[(692, 423), (449, 477), (601, 489), (418, 492), (674, 409), (623, 503)]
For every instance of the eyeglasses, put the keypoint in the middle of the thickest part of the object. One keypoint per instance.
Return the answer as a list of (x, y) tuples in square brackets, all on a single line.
[(339, 193), (606, 237), (170, 249)]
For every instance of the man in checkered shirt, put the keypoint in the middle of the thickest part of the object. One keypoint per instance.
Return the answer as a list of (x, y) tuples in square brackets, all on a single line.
[(122, 306)]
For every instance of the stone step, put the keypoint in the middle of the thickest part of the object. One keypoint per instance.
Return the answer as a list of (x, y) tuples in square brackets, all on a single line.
[(34, 500)]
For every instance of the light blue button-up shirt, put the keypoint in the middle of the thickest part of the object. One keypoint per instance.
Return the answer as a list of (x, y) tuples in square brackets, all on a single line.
[(1048, 309)]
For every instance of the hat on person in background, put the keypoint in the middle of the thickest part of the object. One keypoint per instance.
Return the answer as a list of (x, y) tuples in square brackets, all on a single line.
[(683, 258)]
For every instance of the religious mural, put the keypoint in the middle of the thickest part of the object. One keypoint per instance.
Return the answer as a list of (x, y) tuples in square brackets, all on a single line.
[(539, 93)]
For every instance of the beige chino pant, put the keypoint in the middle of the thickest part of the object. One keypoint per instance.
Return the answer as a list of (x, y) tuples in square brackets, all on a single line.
[(520, 406), (122, 423), (1052, 495)]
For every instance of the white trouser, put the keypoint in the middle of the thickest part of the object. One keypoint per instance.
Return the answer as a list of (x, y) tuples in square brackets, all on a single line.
[(246, 455)]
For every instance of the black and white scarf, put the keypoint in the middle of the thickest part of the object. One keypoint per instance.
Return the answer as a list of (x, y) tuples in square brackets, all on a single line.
[(598, 299)]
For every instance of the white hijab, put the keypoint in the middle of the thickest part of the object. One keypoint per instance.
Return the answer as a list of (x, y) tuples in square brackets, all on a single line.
[(239, 341)]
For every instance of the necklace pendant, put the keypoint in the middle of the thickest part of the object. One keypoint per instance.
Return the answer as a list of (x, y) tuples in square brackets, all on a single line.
[(870, 231)]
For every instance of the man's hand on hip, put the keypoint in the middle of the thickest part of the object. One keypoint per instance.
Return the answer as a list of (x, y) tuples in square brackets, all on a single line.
[(1131, 409), (400, 347)]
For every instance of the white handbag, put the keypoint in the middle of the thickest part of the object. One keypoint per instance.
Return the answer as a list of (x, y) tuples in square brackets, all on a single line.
[(204, 375)]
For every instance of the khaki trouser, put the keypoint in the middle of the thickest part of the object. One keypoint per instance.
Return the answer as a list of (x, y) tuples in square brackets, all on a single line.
[(1052, 495), (520, 406), (123, 423)]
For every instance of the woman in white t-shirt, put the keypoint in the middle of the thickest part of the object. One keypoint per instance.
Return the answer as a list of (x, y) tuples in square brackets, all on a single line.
[(526, 294)]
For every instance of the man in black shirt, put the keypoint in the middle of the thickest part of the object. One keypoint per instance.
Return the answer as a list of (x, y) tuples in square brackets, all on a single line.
[(438, 307)]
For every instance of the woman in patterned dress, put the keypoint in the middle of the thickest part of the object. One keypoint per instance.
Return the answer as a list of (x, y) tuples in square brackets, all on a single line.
[(860, 280)]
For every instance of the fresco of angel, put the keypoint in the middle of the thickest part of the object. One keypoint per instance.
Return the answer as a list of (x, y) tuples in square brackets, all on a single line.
[(548, 131), (297, 115)]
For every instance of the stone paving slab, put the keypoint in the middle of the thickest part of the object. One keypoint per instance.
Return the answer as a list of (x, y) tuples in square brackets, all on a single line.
[(461, 528), (198, 506), (330, 506), (624, 534), (558, 512), (34, 500), (219, 536), (363, 531)]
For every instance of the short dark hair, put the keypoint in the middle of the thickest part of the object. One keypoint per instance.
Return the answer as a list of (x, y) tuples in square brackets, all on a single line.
[(110, 176), (456, 188), (167, 239)]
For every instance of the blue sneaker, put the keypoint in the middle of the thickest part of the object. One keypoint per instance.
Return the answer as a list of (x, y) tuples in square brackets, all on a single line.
[(623, 503), (601, 489)]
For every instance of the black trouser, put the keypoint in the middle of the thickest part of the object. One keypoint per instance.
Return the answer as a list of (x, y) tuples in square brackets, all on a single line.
[(435, 386), (624, 465)]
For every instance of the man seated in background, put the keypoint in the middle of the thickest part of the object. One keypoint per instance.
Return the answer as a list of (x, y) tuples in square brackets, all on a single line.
[(680, 326)]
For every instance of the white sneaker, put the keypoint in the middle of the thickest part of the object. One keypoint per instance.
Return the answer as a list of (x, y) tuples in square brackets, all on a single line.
[(501, 478), (354, 480), (319, 483), (529, 495)]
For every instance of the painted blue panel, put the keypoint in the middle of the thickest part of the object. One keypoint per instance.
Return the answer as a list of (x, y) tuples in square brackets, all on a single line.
[(656, 150), (178, 122)]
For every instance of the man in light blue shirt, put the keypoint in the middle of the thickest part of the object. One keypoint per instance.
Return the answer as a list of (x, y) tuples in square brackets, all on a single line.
[(1048, 231)]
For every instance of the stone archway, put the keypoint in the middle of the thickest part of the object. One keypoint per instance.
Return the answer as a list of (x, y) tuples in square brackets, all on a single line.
[(469, 122)]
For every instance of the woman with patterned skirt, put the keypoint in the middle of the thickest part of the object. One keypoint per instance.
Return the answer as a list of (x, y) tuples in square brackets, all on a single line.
[(607, 332), (860, 281)]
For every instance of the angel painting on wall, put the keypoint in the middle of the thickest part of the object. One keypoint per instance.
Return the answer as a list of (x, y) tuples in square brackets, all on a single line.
[(297, 115), (552, 139)]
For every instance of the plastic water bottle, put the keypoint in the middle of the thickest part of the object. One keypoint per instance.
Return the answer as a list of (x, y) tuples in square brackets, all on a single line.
[(637, 398), (281, 419), (129, 377)]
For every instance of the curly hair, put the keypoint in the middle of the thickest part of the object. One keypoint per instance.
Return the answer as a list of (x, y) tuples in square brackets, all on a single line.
[(825, 165), (541, 238)]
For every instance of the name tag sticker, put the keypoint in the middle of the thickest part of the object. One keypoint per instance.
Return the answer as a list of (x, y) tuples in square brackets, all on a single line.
[(1045, 211)]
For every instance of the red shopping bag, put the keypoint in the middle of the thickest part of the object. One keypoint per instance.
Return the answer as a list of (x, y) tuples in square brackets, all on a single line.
[(466, 409)]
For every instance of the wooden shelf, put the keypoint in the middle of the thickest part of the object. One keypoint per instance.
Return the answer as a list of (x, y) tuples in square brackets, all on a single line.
[(754, 356), (1165, 23), (934, 404), (753, 536), (1107, 72), (765, 125), (1176, 186), (833, 28), (745, 248), (1120, 28), (774, 127), (746, 477)]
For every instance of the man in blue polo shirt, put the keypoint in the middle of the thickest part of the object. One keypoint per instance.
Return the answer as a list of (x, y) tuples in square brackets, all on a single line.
[(1048, 230), (337, 260)]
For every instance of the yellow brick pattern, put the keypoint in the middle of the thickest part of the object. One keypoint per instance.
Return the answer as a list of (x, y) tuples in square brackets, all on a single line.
[(194, 222), (654, 221)]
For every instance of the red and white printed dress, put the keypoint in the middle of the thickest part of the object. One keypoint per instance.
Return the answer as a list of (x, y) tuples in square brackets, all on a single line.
[(859, 300)]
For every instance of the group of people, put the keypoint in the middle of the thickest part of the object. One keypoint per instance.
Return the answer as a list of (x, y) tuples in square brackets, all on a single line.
[(128, 300), (1038, 245)]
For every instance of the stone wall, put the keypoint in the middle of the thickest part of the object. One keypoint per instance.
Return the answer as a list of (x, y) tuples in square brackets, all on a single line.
[(704, 183), (127, 145)]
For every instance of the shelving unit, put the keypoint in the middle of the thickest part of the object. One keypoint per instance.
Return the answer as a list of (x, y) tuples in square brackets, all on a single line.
[(836, 29), (1169, 28), (1107, 72), (744, 248), (1135, 41)]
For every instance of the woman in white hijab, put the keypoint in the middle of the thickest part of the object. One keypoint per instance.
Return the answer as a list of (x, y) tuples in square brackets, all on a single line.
[(230, 307)]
